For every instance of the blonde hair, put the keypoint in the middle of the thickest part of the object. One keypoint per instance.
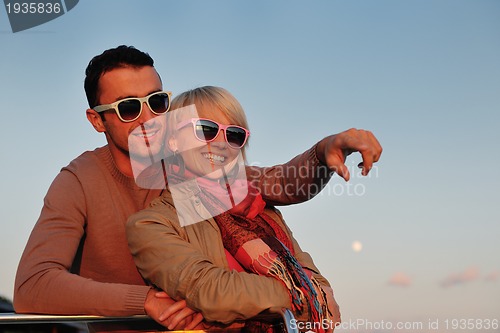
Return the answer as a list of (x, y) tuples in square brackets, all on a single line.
[(211, 101)]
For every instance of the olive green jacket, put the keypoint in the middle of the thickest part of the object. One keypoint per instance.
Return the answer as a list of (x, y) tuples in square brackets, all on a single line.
[(190, 263)]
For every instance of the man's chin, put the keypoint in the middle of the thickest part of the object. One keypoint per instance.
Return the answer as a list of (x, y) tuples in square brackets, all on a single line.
[(146, 155)]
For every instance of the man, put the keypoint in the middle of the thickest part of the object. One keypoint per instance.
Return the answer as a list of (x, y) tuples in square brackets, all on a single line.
[(77, 259)]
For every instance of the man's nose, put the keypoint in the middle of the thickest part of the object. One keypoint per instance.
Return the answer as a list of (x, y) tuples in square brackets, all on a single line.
[(146, 113)]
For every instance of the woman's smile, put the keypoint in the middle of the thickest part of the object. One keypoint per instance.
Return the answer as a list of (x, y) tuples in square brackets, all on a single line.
[(214, 157)]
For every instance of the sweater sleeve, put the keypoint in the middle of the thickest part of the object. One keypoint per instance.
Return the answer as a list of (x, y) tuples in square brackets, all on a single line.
[(298, 180), (44, 281), (168, 260)]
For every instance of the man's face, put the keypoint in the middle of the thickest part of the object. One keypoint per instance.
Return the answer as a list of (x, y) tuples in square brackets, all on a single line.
[(123, 83)]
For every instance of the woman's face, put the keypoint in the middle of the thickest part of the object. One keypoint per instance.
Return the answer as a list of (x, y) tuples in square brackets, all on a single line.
[(206, 158)]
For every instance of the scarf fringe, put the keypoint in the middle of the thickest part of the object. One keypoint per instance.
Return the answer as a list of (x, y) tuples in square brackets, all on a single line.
[(302, 290), (279, 271)]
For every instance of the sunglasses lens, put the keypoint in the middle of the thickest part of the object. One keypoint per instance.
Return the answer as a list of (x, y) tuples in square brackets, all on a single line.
[(159, 103), (206, 130), (235, 137), (129, 109)]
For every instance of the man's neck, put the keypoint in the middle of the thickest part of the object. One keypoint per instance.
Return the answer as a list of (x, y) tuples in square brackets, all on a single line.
[(121, 160)]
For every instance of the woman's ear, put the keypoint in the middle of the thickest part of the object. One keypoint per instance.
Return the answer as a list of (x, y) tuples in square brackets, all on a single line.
[(96, 120), (172, 144)]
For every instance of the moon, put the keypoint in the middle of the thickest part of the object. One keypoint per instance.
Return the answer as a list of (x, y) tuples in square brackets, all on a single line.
[(357, 246)]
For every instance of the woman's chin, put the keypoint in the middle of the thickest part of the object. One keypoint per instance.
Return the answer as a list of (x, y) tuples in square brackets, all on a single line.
[(217, 173), (220, 170)]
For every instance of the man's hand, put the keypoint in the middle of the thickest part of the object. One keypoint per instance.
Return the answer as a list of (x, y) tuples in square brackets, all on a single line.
[(333, 307), (334, 149), (170, 313)]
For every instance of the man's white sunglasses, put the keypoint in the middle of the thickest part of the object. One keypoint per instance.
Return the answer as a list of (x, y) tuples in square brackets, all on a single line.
[(130, 109)]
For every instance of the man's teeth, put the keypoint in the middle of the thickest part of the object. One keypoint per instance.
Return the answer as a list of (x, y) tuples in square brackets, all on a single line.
[(214, 157)]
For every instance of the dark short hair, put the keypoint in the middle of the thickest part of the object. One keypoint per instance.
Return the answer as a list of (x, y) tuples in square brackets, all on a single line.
[(119, 57)]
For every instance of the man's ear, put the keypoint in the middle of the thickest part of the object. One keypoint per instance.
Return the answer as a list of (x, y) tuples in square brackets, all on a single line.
[(96, 120), (172, 144)]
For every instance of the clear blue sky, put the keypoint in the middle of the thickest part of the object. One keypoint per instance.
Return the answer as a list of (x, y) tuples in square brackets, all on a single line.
[(423, 75)]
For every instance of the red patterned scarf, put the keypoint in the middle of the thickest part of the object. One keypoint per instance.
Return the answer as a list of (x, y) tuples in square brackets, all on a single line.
[(262, 247)]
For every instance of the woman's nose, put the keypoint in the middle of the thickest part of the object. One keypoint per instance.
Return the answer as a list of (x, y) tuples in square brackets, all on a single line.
[(219, 141)]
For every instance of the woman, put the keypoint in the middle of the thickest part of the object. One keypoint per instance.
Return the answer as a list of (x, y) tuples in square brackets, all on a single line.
[(210, 239)]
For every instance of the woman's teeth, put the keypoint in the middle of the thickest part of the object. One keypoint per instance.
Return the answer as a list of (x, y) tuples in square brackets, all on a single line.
[(213, 157)]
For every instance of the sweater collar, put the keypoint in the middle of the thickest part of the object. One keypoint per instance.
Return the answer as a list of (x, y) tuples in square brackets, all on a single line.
[(105, 156)]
